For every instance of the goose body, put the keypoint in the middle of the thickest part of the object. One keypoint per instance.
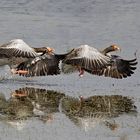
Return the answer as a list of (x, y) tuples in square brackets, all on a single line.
[(83, 57), (66, 68), (87, 57), (17, 51), (47, 64), (119, 68)]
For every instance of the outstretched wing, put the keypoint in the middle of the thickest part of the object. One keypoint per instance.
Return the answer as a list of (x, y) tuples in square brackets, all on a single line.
[(17, 48), (87, 57), (119, 68), (40, 66)]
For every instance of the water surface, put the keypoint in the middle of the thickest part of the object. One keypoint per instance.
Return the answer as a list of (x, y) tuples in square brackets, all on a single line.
[(63, 25)]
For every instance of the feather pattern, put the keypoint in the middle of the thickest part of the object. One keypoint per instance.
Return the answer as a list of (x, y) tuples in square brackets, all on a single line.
[(17, 48), (87, 57), (119, 68), (41, 66)]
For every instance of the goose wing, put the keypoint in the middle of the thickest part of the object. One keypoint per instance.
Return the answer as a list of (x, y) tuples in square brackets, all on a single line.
[(87, 57), (119, 68), (40, 66), (17, 48)]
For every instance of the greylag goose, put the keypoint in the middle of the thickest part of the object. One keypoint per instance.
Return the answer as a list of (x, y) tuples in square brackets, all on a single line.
[(47, 64), (66, 68), (17, 51), (119, 68), (83, 57)]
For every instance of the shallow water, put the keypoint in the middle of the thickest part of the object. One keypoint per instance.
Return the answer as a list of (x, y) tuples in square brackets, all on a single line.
[(64, 25)]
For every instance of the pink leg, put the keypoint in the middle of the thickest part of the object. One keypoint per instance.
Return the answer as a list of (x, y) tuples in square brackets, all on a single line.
[(81, 71), (21, 72), (81, 74)]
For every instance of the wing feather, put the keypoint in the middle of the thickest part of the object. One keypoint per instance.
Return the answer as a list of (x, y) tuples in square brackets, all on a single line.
[(120, 68), (17, 48), (87, 57), (41, 66)]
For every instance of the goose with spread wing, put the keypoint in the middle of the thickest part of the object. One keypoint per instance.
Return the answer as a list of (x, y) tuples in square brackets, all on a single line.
[(67, 68), (83, 57), (47, 64), (17, 51), (119, 68)]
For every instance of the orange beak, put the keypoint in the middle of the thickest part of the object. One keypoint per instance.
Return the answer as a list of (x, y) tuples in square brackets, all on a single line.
[(50, 50), (116, 47)]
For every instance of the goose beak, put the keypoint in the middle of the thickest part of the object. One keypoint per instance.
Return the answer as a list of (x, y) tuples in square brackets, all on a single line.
[(117, 48), (50, 50)]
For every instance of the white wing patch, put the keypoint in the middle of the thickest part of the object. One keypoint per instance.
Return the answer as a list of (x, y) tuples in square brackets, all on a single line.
[(92, 53), (89, 58), (18, 47)]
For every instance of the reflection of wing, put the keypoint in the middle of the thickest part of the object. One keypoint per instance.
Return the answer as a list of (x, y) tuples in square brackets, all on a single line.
[(41, 66), (17, 48), (120, 68), (87, 57), (43, 101)]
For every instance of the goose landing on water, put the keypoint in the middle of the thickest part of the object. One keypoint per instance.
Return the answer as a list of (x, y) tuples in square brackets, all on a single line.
[(119, 68), (47, 64), (84, 57), (17, 51), (66, 69)]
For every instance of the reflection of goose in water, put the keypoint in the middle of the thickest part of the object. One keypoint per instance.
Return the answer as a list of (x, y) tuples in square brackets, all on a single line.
[(15, 109), (17, 51), (15, 112), (89, 112), (42, 99), (30, 102), (42, 104)]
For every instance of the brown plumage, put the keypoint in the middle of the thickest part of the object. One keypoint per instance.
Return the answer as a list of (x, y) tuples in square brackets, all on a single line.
[(87, 57), (109, 49), (119, 68), (82, 57), (17, 51), (47, 64)]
